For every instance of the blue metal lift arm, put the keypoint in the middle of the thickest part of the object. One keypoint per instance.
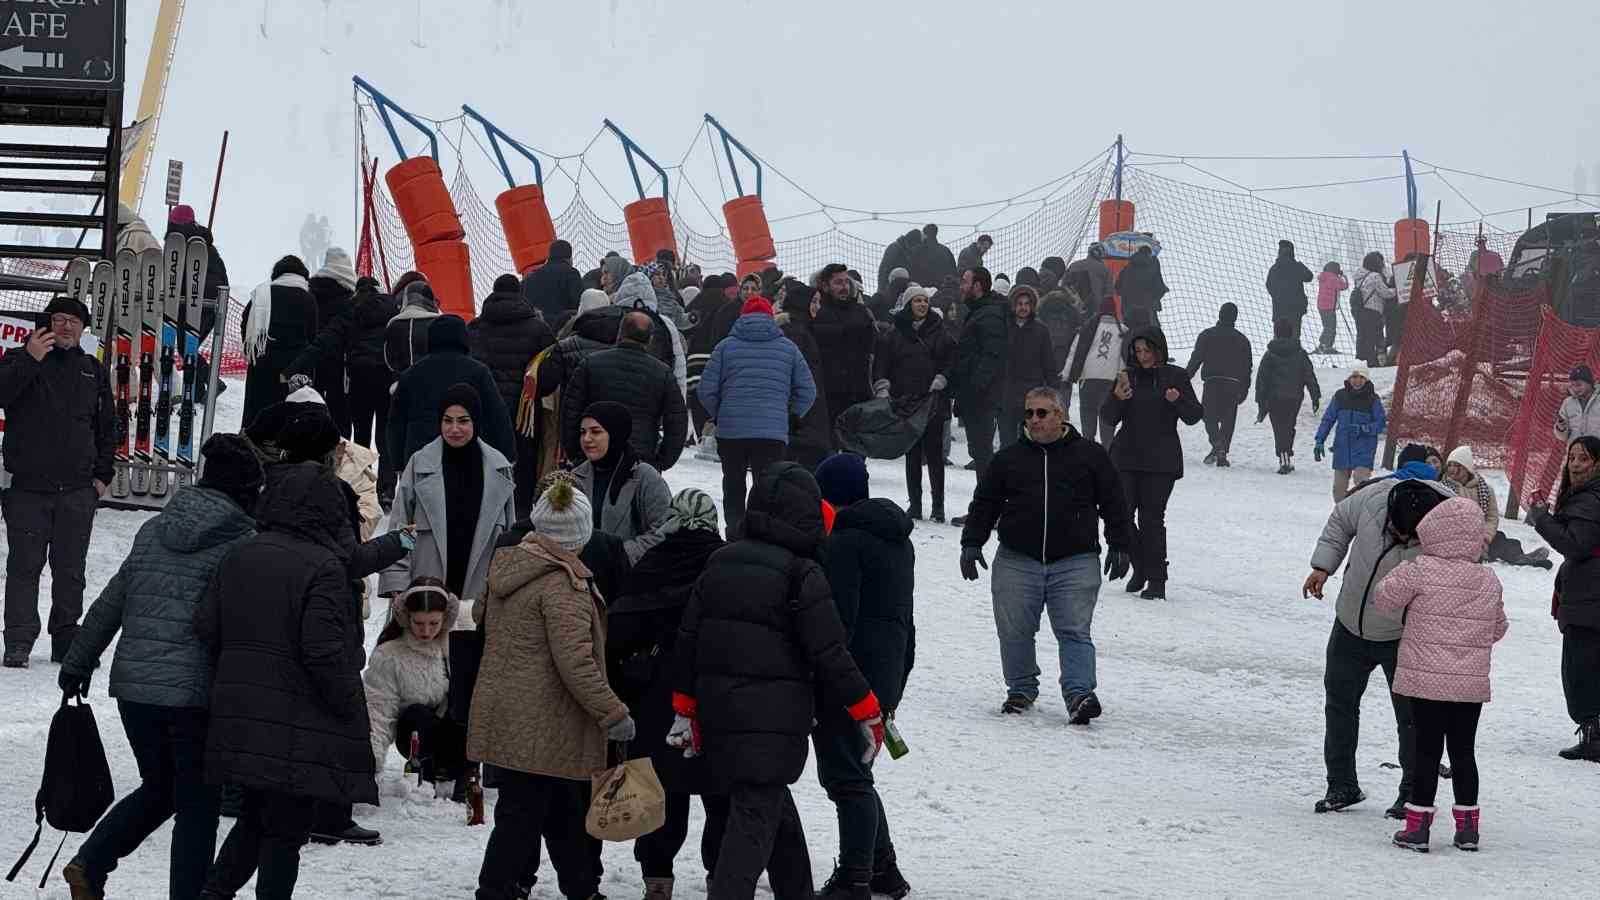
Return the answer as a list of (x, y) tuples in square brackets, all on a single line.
[(729, 142), (630, 148), (384, 105), (496, 135)]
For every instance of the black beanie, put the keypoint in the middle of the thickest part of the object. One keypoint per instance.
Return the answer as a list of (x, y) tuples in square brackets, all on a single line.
[(559, 249), (465, 396), (1416, 453), (1580, 372), (507, 284), (290, 265), (447, 331), (268, 423), (72, 306), (232, 468), (308, 434)]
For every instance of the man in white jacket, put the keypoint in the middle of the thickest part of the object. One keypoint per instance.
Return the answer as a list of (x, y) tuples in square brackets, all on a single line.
[(1580, 413)]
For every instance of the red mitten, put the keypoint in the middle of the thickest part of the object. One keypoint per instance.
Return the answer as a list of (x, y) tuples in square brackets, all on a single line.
[(869, 716)]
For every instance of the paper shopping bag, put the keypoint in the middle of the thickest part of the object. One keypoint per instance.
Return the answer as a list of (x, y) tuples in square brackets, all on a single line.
[(626, 802)]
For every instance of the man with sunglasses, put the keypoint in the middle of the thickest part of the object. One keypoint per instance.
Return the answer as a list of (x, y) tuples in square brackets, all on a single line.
[(1044, 493), (58, 450)]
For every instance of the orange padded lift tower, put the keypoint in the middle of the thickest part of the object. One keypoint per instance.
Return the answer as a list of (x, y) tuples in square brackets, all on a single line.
[(746, 217), (428, 213), (1115, 216), (649, 219), (1411, 233), (524, 215)]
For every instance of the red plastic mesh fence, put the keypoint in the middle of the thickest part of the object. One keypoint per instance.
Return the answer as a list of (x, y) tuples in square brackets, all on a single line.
[(1537, 453)]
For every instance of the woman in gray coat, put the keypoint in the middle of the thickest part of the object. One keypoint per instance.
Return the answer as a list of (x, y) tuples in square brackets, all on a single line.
[(630, 498)]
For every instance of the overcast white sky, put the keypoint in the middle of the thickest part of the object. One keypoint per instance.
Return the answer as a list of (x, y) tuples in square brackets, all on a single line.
[(886, 104)]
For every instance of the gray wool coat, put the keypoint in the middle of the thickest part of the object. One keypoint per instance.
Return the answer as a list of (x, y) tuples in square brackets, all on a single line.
[(642, 506), (419, 498)]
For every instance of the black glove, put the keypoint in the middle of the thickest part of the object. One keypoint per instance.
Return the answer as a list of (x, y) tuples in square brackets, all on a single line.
[(1117, 564), (971, 559), (73, 685), (1316, 404)]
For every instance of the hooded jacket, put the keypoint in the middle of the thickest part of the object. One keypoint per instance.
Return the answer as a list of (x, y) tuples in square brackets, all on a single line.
[(1030, 357), (1141, 287), (761, 639), (1358, 535), (1329, 286), (288, 711), (1147, 440), (419, 498), (810, 434), (414, 408), (1359, 417), (541, 704), (1223, 352), (59, 430), (845, 333), (629, 375), (981, 352), (912, 356), (553, 289), (406, 672), (590, 333), (1573, 530), (871, 569), (405, 339), (505, 336), (755, 380), (1286, 375), (152, 600), (1451, 606), (666, 343), (1286, 282), (1045, 499)]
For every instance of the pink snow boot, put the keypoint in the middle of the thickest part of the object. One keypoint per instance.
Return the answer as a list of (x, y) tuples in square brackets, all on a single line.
[(1415, 835), (1466, 827)]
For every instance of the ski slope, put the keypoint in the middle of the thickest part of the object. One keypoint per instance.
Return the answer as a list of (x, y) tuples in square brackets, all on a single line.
[(1198, 780)]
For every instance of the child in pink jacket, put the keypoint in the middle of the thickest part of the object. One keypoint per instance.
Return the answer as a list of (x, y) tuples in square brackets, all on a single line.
[(1453, 616), (1330, 284)]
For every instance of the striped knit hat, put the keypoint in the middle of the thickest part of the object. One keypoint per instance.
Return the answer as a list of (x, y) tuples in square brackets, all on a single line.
[(694, 510)]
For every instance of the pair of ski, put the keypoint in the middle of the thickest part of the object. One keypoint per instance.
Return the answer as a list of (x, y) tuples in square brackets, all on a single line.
[(148, 302)]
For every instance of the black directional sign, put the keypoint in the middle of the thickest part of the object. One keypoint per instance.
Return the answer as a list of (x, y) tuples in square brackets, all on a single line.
[(62, 43)]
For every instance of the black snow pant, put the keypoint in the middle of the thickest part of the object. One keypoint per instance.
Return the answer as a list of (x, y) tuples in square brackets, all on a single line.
[(46, 526), (764, 832), (929, 451), (369, 419), (525, 473), (656, 850), (1580, 672), (1394, 324), (1283, 416), (1369, 335), (979, 421), (528, 806), (1350, 662), (864, 843), (1438, 723), (265, 842), (1330, 328), (1092, 394), (1146, 494), (741, 455), (330, 383), (1220, 401)]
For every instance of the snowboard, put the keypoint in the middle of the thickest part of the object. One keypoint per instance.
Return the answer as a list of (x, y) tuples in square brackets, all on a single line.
[(148, 300), (101, 305), (126, 320), (196, 263), (171, 288)]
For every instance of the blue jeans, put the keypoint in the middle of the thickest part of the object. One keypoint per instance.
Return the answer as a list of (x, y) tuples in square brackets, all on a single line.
[(1023, 589), (169, 745)]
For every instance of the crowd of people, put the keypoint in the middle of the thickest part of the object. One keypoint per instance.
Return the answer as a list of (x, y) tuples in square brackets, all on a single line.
[(552, 607)]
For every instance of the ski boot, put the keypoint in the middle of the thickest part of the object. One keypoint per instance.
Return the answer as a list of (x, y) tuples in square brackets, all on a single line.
[(1339, 798), (887, 880), (847, 884), (1415, 835), (1587, 747), (1082, 708), (1466, 827)]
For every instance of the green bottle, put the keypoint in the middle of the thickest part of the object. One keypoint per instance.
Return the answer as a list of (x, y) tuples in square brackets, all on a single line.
[(893, 740)]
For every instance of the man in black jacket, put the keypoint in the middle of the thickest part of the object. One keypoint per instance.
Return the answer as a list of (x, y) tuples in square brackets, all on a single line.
[(1141, 287), (1224, 358), (1045, 493), (980, 370), (871, 567), (555, 287), (414, 407), (845, 333), (506, 336), (1030, 360), (933, 262), (1286, 284), (58, 449), (630, 375), (760, 641)]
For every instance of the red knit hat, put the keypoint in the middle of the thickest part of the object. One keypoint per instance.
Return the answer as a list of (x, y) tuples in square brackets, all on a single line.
[(182, 214), (757, 304)]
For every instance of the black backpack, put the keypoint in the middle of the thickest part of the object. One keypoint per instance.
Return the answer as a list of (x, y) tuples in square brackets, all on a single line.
[(76, 789), (1409, 503)]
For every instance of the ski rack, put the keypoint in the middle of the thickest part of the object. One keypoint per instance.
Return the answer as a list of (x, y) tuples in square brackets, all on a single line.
[(729, 142), (496, 135), (384, 105), (150, 502), (630, 149)]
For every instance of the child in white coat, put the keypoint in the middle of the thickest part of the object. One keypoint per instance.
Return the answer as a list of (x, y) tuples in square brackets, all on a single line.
[(408, 682)]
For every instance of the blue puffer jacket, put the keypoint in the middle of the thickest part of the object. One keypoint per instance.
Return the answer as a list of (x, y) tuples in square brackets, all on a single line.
[(1359, 415), (152, 599), (755, 380)]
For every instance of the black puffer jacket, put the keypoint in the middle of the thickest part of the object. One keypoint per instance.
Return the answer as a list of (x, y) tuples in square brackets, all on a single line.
[(1060, 315), (1141, 287), (1286, 284), (356, 338), (414, 407), (845, 333), (1222, 351), (629, 375), (910, 357), (1573, 530), (1030, 361), (872, 571), (810, 435), (981, 352), (554, 289), (1286, 374), (288, 712), (60, 434), (642, 635), (592, 332), (1045, 498), (1147, 439), (506, 336), (761, 635)]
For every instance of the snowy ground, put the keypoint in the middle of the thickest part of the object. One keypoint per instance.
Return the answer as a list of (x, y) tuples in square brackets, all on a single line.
[(1198, 781)]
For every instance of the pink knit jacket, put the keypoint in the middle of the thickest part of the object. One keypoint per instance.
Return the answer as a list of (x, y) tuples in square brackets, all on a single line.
[(1451, 605), (1329, 286)]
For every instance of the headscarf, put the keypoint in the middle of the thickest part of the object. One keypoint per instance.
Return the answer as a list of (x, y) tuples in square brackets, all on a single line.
[(693, 510)]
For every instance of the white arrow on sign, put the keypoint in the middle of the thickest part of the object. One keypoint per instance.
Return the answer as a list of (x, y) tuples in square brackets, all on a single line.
[(17, 58)]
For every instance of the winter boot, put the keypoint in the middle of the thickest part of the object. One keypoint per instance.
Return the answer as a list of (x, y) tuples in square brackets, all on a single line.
[(1288, 460), (1155, 590), (1136, 583), (937, 515), (1082, 708), (1587, 747), (959, 521), (82, 886), (847, 884), (1222, 461), (1339, 798), (887, 880), (16, 657), (1283, 464), (1211, 457), (914, 510), (1466, 827), (1415, 835), (1016, 704), (658, 889), (1398, 809), (355, 834)]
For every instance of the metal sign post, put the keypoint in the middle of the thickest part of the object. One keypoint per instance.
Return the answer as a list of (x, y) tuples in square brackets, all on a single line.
[(174, 182), (62, 45)]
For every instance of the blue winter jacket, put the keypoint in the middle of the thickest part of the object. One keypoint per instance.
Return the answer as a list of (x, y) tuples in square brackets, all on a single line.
[(152, 600), (755, 380), (1359, 415)]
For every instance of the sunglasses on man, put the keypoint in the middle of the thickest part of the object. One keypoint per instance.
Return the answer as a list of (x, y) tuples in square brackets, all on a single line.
[(1041, 413)]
